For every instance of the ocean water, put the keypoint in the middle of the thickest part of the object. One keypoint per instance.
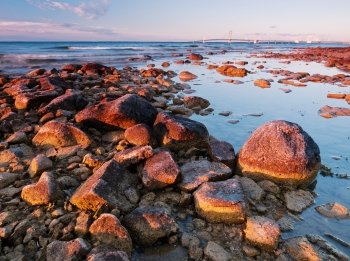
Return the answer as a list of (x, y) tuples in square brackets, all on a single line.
[(300, 106)]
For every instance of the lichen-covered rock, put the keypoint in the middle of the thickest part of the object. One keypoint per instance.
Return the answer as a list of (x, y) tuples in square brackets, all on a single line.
[(282, 152), (106, 187), (108, 230), (221, 202), (123, 112), (45, 191), (194, 173), (160, 171), (179, 133), (59, 134), (148, 224), (262, 232)]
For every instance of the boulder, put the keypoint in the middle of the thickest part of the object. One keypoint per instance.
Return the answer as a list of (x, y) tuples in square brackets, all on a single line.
[(232, 71), (140, 134), (123, 112), (195, 101), (333, 210), (72, 100), (45, 191), (178, 133), (194, 173), (59, 134), (148, 224), (160, 171), (75, 249), (221, 202), (108, 230), (221, 151), (282, 152), (262, 83), (106, 187), (187, 76), (262, 232)]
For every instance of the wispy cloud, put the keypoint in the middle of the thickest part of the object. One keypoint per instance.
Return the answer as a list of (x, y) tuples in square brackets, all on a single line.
[(49, 30), (90, 10)]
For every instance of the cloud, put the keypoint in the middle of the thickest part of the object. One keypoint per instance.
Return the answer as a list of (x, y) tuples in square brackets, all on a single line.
[(52, 31), (90, 10)]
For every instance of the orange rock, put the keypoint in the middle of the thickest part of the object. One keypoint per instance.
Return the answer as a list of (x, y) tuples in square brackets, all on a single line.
[(293, 83), (195, 57), (262, 83), (331, 112), (165, 64), (282, 152), (187, 76), (336, 95), (301, 249), (140, 134), (233, 71)]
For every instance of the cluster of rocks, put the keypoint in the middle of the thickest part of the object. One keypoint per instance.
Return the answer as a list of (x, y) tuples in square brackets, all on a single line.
[(94, 164)]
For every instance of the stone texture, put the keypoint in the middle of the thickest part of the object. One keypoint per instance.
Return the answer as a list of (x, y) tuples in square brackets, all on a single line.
[(133, 155), (262, 232), (140, 134), (215, 252), (160, 171), (75, 249), (58, 134), (298, 200), (232, 71), (45, 191), (194, 173), (221, 151), (333, 210), (108, 230), (221, 202), (178, 133), (123, 112), (39, 164), (282, 152), (105, 187), (148, 224)]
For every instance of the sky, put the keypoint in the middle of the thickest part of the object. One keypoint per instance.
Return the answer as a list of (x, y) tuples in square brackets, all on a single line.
[(176, 20)]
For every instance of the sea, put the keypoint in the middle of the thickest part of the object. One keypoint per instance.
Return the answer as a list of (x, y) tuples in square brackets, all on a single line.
[(250, 106)]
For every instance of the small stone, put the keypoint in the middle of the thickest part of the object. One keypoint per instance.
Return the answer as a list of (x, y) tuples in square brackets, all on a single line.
[(215, 252), (39, 164), (250, 251), (160, 171), (333, 210), (43, 192), (108, 230), (195, 101), (187, 76), (84, 220), (133, 155), (109, 256), (225, 113), (251, 189), (262, 83), (221, 151), (221, 201), (72, 250), (148, 224), (262, 232), (7, 179), (298, 200), (113, 136), (17, 137), (269, 186), (301, 249)]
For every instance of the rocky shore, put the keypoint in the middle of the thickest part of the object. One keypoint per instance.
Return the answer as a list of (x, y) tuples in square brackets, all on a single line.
[(101, 164)]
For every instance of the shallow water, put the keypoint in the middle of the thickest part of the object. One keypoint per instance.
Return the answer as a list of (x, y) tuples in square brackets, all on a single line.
[(300, 106)]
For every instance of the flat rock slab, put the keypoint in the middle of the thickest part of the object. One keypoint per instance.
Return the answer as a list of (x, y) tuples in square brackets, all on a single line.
[(221, 151), (59, 134), (179, 133), (105, 187), (194, 173), (282, 152), (133, 155), (75, 249), (45, 191), (262, 232), (333, 210), (148, 224), (221, 201), (108, 230), (331, 112), (160, 171), (123, 112), (298, 200)]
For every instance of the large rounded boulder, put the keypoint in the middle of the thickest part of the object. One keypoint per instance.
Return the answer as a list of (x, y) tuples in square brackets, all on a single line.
[(282, 152)]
